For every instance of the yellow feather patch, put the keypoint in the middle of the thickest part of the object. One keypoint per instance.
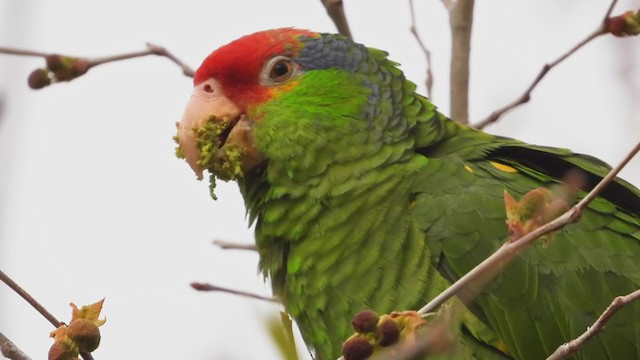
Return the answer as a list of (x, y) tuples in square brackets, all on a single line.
[(468, 168), (286, 87), (503, 167)]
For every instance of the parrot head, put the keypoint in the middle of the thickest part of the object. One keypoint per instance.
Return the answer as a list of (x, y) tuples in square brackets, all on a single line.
[(278, 97)]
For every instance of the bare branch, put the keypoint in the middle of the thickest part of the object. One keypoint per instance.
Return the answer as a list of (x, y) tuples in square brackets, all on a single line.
[(511, 249), (10, 350), (427, 54), (526, 96), (161, 51), (610, 10), (209, 287), (28, 298), (150, 50), (568, 349), (335, 10), (21, 52), (461, 21), (66, 68), (36, 305), (227, 245)]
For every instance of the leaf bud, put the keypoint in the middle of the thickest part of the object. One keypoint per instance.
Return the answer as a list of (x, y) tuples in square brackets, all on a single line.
[(357, 348), (85, 334), (365, 321), (38, 79), (389, 332)]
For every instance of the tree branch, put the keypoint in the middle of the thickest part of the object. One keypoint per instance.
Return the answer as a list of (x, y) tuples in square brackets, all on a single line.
[(427, 54), (335, 10), (29, 299), (227, 245), (36, 305), (9, 350), (526, 96), (151, 49), (511, 249), (22, 52), (209, 287), (568, 349), (461, 20), (66, 68)]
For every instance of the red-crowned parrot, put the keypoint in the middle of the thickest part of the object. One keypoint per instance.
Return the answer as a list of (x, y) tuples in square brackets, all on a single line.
[(366, 197)]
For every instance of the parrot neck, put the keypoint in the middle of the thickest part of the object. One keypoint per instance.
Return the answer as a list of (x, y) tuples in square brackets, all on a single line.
[(297, 209)]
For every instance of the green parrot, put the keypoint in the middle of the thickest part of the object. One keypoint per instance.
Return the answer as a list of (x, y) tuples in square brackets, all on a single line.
[(366, 197)]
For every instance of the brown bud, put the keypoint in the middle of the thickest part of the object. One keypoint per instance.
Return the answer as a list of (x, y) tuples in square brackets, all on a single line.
[(365, 321), (615, 25), (38, 79), (357, 348), (60, 352), (389, 333), (85, 334), (54, 62), (81, 66), (627, 24)]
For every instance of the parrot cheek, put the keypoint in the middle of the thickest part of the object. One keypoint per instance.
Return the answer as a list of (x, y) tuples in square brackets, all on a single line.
[(241, 137)]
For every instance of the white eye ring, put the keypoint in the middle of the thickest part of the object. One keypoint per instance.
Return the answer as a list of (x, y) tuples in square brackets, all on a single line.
[(278, 70)]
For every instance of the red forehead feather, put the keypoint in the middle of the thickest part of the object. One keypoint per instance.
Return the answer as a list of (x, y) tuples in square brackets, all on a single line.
[(237, 65)]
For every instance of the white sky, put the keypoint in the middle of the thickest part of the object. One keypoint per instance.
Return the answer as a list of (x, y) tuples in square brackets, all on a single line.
[(93, 203)]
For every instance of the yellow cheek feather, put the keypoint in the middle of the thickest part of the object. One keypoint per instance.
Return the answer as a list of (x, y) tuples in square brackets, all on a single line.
[(503, 167), (286, 87)]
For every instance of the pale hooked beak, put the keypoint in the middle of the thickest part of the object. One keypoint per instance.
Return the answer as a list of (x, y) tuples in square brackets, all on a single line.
[(209, 103)]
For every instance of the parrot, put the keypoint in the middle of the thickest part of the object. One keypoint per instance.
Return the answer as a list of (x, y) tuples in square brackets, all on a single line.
[(365, 197)]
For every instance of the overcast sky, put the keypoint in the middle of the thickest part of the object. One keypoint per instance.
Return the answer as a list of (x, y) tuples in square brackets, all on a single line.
[(94, 204)]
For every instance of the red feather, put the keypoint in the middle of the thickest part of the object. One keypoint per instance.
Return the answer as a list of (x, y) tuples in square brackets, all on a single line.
[(237, 65)]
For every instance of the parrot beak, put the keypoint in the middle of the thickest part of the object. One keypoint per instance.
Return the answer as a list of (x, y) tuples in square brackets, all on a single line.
[(208, 103)]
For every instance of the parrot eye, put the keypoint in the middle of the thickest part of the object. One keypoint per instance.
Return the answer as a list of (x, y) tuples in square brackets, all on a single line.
[(278, 70)]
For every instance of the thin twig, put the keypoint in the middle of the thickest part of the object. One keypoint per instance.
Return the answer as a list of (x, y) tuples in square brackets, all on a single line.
[(9, 350), (161, 51), (209, 287), (335, 10), (28, 298), (150, 50), (461, 21), (36, 305), (510, 249), (21, 52), (526, 96), (571, 347), (228, 245), (427, 54), (88, 63), (609, 10)]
